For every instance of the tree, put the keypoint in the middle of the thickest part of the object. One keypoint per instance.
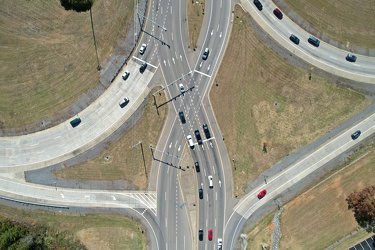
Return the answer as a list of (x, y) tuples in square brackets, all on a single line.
[(77, 5), (362, 203)]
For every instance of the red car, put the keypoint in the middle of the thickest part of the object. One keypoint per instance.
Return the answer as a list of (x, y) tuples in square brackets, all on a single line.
[(210, 234), (262, 194), (278, 13)]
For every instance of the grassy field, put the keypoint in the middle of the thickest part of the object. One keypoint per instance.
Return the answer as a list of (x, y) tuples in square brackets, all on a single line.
[(195, 13), (346, 21), (121, 161), (97, 232), (48, 56), (320, 217), (259, 98)]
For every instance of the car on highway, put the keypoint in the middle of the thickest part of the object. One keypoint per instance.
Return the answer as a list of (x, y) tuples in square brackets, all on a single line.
[(356, 134), (314, 41), (182, 117), (205, 54), (351, 58), (258, 4), (210, 233), (197, 168), (124, 102), (198, 136), (294, 39), (143, 67), (190, 141), (206, 131), (142, 50), (210, 183), (201, 193), (182, 88), (262, 194), (75, 122), (125, 75), (219, 243), (278, 13), (200, 234)]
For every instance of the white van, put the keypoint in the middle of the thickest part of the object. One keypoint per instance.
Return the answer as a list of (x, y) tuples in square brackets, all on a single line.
[(211, 185), (190, 141)]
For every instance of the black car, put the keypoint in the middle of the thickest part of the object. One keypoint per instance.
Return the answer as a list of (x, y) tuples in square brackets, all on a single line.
[(143, 67), (351, 58), (294, 39), (197, 168), (356, 134), (206, 131), (200, 234), (258, 4), (201, 193), (314, 41), (75, 122), (198, 136), (182, 117)]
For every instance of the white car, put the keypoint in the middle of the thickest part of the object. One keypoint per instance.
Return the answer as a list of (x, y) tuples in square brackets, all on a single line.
[(142, 49), (211, 185), (219, 243), (125, 75), (190, 141), (182, 88)]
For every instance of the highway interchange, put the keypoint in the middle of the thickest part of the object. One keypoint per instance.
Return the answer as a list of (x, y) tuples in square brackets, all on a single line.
[(167, 52)]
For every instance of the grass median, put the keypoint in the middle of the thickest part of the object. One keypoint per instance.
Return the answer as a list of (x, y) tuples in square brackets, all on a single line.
[(195, 13), (261, 100)]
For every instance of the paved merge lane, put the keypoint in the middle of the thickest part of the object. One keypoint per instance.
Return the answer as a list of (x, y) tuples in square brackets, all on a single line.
[(100, 119)]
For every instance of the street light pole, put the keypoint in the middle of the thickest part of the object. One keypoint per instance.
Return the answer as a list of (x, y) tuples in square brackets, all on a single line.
[(163, 153), (160, 26)]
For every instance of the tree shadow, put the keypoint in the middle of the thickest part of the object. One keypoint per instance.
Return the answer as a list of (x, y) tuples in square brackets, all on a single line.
[(77, 5)]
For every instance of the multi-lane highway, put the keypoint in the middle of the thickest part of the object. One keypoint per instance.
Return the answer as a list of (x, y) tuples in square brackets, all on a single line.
[(166, 37), (176, 69)]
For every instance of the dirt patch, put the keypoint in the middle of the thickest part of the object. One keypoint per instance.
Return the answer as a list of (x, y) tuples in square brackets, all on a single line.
[(101, 238), (260, 234), (271, 102)]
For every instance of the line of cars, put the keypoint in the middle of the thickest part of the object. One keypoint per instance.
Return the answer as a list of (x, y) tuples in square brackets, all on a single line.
[(196, 133), (312, 40)]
